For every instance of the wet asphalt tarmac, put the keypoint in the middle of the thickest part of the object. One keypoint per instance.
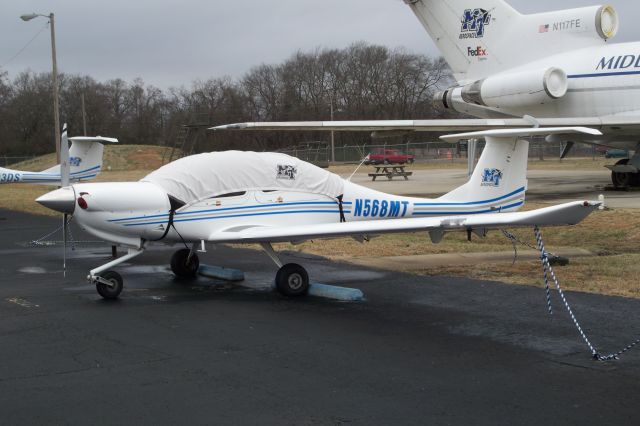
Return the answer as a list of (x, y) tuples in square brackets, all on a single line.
[(418, 350)]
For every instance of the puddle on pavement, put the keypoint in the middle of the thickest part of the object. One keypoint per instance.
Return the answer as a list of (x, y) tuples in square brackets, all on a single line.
[(32, 270)]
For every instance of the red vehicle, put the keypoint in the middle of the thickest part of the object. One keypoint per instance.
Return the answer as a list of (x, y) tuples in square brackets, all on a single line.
[(388, 156)]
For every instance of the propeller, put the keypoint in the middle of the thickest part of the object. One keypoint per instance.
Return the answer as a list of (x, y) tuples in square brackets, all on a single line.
[(64, 175)]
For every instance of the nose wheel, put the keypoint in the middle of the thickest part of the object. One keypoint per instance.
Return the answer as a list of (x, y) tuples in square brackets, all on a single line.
[(109, 285)]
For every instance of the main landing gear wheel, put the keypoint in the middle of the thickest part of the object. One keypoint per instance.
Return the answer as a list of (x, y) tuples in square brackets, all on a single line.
[(292, 280), (623, 180), (110, 292), (183, 266)]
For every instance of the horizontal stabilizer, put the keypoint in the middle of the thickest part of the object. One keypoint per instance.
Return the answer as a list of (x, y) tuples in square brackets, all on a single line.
[(523, 132), (101, 139), (563, 214)]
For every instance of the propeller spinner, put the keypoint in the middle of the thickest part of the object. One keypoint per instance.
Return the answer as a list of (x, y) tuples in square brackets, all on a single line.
[(62, 200)]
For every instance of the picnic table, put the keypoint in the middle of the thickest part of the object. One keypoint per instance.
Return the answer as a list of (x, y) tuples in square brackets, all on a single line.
[(390, 172)]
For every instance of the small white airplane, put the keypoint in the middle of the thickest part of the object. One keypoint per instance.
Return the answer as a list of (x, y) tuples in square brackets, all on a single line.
[(85, 163), (248, 197), (512, 70)]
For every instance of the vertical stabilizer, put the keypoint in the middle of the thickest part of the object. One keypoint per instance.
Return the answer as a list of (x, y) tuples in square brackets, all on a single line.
[(479, 38), (85, 157), (467, 32), (499, 180)]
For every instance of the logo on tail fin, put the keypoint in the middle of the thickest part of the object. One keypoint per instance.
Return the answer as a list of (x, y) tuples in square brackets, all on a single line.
[(491, 177), (473, 23)]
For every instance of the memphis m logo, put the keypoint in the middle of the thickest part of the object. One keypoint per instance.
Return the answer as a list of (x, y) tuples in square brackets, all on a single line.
[(491, 177), (473, 23), (286, 172)]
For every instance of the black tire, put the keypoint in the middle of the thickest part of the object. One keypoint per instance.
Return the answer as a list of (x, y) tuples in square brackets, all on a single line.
[(624, 180), (107, 292), (292, 280), (387, 162), (183, 268), (411, 160)]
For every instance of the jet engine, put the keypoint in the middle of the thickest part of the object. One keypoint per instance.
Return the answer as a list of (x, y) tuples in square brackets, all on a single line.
[(510, 90)]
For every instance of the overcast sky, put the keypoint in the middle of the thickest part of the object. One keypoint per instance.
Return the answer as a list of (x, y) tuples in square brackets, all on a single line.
[(171, 43)]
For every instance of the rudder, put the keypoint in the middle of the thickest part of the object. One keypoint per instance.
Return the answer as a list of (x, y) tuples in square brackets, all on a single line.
[(499, 180)]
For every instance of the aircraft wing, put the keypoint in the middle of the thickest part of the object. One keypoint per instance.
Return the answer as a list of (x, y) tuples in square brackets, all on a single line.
[(611, 123), (563, 214)]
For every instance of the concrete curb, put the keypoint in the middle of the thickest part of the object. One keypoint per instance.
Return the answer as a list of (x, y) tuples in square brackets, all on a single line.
[(219, 273)]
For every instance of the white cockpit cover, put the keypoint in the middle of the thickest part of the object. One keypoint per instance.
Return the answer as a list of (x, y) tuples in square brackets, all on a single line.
[(200, 176)]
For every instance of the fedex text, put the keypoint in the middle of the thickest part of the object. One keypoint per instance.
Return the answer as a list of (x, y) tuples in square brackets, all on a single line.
[(477, 52)]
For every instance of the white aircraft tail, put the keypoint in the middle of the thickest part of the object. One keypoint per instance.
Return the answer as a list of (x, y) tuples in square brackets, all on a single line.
[(85, 157), (478, 39), (499, 180)]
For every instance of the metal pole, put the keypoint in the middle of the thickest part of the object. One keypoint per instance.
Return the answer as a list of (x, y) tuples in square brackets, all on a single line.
[(54, 78), (84, 116), (333, 150)]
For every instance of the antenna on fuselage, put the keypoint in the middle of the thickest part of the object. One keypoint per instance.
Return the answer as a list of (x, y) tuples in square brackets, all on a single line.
[(357, 168)]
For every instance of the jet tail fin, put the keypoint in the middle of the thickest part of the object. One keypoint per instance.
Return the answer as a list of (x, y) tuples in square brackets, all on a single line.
[(481, 39)]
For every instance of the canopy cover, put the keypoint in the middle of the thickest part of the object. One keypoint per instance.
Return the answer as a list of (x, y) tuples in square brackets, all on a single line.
[(210, 174)]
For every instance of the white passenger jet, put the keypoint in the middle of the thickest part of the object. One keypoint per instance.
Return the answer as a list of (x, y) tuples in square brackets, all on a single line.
[(247, 197), (513, 70), (85, 163)]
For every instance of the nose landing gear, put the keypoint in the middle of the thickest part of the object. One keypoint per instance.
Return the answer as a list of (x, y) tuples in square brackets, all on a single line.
[(109, 284)]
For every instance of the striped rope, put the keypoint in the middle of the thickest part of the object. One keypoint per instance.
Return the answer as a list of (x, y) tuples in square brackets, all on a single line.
[(549, 273), (544, 256), (45, 242), (548, 270)]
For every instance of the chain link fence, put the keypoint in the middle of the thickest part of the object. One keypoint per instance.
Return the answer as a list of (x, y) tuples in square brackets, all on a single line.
[(320, 152), (6, 161)]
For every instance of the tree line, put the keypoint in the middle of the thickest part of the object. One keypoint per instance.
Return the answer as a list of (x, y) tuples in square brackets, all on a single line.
[(358, 82)]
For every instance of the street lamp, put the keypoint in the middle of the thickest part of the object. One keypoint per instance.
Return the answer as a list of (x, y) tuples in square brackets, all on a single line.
[(54, 78), (333, 150)]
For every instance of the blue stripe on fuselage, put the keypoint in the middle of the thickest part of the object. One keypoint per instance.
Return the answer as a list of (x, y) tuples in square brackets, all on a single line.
[(471, 203), (462, 213), (608, 74), (239, 215), (255, 206)]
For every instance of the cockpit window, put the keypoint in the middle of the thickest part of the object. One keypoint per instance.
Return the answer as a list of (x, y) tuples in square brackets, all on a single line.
[(231, 194)]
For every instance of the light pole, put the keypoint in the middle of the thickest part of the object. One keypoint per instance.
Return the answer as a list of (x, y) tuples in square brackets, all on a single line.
[(54, 78), (333, 150)]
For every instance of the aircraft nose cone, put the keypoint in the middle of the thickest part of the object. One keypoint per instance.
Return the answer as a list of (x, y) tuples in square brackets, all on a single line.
[(62, 200)]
